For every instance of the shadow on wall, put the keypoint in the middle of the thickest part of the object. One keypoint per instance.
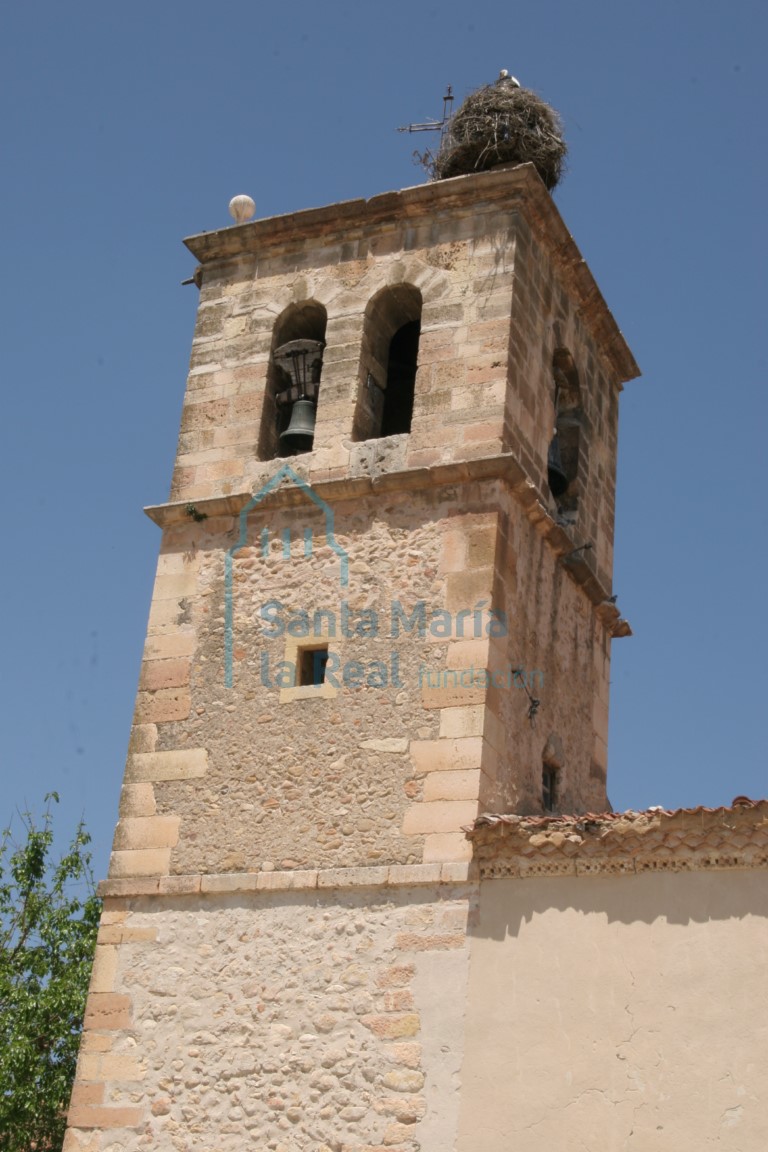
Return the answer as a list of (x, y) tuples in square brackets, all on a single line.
[(508, 904)]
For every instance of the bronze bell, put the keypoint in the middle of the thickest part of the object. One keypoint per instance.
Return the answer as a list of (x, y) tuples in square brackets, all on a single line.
[(300, 433), (556, 477)]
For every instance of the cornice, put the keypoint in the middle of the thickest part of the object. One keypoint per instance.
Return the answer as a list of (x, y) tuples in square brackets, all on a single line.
[(301, 880)]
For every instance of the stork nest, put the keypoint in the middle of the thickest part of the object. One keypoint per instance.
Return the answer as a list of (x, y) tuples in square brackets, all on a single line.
[(501, 124)]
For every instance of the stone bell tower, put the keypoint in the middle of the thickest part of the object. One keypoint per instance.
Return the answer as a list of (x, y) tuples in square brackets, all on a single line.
[(382, 606)]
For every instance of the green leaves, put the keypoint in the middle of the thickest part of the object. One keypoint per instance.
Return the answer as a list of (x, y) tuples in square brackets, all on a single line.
[(49, 917)]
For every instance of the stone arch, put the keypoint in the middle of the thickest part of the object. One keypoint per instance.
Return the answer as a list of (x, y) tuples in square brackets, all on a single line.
[(388, 362), (303, 320), (566, 445)]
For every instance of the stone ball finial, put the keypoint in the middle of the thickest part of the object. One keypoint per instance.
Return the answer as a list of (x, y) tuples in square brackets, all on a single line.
[(502, 123), (242, 209)]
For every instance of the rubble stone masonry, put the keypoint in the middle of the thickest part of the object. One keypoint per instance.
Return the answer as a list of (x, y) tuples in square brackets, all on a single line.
[(301, 1018)]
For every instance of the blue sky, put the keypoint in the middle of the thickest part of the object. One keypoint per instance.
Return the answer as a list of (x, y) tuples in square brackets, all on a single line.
[(127, 127)]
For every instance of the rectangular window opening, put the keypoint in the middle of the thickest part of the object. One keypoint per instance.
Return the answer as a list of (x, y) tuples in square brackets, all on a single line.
[(311, 665), (549, 788)]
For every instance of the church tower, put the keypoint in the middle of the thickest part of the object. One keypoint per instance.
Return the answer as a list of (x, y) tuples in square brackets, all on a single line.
[(382, 607)]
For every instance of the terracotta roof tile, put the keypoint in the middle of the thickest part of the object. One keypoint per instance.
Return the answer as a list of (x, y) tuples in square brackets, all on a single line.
[(657, 839), (632, 818)]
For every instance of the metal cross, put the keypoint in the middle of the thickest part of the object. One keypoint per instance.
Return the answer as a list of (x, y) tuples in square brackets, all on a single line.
[(435, 125)]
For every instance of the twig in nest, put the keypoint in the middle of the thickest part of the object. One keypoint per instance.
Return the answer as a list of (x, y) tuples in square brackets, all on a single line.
[(501, 124)]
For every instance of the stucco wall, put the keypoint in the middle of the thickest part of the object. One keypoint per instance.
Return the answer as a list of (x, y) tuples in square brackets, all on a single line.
[(623, 1012)]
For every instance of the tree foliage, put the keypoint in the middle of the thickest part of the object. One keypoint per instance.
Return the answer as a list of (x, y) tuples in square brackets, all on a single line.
[(48, 921)]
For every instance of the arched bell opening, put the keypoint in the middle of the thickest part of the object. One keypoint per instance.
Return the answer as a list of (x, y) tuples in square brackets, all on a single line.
[(388, 363), (564, 451), (293, 381)]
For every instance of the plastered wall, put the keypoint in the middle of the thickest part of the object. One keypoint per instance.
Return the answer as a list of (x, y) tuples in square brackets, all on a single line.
[(618, 1012)]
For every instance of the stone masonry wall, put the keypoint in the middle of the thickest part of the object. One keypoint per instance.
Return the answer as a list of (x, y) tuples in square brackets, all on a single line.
[(499, 295), (252, 776), (544, 318), (283, 958), (294, 1021), (461, 265), (563, 649), (382, 769)]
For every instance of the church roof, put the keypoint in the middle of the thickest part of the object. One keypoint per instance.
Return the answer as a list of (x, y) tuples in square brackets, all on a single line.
[(656, 839)]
